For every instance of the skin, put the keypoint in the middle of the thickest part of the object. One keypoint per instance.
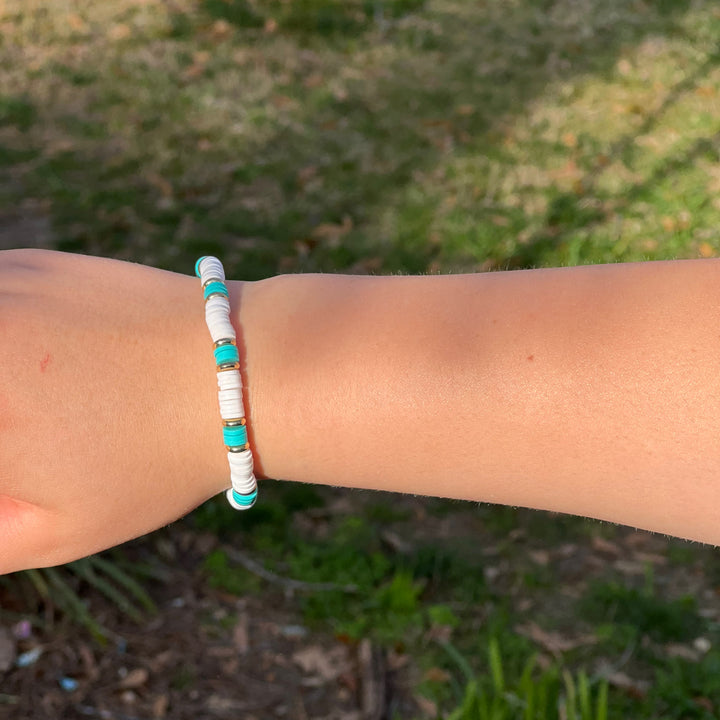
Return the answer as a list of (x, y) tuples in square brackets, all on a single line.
[(592, 390), (106, 404)]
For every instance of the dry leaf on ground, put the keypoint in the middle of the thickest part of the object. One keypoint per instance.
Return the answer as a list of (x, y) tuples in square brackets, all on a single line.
[(553, 642)]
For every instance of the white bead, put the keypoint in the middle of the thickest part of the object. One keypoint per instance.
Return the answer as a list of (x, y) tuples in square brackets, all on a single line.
[(229, 380), (218, 302), (242, 482), (245, 488), (217, 305), (231, 405), (230, 395), (218, 319), (221, 329), (241, 463), (211, 267), (241, 471)]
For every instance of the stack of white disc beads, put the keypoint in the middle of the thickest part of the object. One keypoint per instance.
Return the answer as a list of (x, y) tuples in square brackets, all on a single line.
[(243, 493)]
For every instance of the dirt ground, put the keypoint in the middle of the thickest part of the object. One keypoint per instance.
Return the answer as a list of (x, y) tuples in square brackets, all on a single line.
[(210, 655), (205, 655)]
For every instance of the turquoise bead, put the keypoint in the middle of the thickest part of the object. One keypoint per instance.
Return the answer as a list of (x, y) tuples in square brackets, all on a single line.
[(235, 435), (246, 500), (215, 287), (226, 354), (197, 265)]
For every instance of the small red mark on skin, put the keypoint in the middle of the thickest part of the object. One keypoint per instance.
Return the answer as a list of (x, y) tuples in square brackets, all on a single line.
[(44, 362), (531, 358)]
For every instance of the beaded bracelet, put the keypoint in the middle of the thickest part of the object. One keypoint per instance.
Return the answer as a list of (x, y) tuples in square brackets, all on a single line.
[(243, 493)]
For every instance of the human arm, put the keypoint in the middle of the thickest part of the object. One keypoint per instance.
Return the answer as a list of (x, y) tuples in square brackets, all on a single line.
[(590, 390)]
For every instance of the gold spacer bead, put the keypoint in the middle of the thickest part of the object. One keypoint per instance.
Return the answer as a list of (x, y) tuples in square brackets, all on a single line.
[(234, 422), (225, 341), (238, 448), (227, 366)]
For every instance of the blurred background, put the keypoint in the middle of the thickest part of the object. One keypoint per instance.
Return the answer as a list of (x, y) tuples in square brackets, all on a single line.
[(364, 136)]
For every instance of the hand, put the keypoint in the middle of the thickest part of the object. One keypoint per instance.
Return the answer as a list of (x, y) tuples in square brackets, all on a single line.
[(109, 426)]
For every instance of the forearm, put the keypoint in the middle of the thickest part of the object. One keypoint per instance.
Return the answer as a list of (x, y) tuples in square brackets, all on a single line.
[(590, 390)]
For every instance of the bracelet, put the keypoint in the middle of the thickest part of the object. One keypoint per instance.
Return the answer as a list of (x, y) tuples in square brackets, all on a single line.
[(243, 493)]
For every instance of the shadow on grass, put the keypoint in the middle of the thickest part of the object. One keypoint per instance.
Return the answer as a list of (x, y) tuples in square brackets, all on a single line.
[(570, 211), (460, 76)]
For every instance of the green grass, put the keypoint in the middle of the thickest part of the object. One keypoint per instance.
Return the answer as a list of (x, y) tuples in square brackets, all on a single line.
[(642, 612), (322, 17), (51, 591), (531, 695), (17, 112), (401, 137), (431, 135)]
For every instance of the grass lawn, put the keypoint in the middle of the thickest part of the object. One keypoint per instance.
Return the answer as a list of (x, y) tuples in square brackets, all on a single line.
[(406, 136)]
